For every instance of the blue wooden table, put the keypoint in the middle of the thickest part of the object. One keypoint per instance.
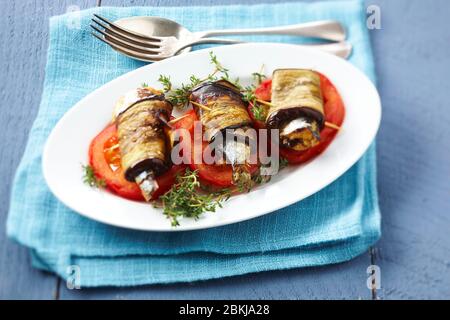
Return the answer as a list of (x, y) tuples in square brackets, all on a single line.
[(412, 52)]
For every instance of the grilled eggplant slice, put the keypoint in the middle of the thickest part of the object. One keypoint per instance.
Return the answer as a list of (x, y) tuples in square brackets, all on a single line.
[(140, 117), (297, 108), (228, 110), (226, 113)]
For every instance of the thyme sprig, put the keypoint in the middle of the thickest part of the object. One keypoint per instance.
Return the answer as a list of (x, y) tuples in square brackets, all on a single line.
[(242, 179), (259, 178), (284, 163), (218, 66), (185, 198), (91, 179), (179, 97), (259, 111), (248, 93), (165, 81)]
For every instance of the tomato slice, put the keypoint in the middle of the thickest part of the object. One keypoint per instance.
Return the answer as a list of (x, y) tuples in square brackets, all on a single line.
[(264, 90), (334, 113), (186, 121), (106, 164), (216, 175), (104, 157)]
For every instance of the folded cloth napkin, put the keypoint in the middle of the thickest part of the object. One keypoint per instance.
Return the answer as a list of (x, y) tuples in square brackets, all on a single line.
[(334, 225)]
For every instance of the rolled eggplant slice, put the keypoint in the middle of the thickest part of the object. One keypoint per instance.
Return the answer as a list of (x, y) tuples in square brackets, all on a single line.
[(142, 139), (297, 108), (228, 110), (226, 115), (133, 96)]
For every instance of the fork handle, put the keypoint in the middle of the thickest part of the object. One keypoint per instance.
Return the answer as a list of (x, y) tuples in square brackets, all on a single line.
[(325, 29), (341, 49), (207, 41)]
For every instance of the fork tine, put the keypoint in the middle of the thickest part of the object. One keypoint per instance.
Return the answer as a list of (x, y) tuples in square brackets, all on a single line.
[(128, 52), (124, 43), (129, 32), (125, 37)]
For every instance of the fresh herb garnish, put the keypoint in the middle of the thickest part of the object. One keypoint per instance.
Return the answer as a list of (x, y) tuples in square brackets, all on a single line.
[(258, 77), (259, 111), (179, 97), (218, 66), (242, 178), (165, 81), (144, 84), (261, 179), (248, 93), (185, 199), (283, 163), (90, 178)]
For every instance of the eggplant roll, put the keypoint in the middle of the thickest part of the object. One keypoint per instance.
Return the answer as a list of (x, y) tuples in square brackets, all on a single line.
[(142, 139), (297, 108), (228, 111)]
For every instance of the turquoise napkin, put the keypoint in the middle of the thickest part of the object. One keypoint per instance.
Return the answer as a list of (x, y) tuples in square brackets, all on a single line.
[(334, 225)]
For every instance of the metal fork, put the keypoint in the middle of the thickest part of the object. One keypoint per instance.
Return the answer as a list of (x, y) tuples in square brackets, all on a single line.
[(154, 48)]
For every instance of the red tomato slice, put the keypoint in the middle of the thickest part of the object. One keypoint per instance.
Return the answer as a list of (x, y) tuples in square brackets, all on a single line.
[(216, 175), (187, 121), (104, 157), (264, 90), (334, 113), (100, 153)]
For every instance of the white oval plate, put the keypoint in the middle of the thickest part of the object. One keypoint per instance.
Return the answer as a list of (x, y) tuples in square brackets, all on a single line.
[(67, 145)]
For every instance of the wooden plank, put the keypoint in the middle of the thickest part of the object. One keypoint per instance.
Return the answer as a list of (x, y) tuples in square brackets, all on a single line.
[(24, 36)]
